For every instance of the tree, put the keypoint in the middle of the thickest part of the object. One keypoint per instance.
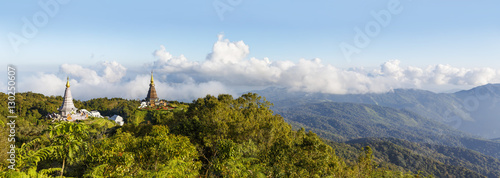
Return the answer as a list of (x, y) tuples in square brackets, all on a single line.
[(155, 153), (28, 157), (31, 153), (69, 139)]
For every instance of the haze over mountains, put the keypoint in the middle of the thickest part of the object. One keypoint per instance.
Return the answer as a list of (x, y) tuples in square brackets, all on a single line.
[(450, 133), (473, 111)]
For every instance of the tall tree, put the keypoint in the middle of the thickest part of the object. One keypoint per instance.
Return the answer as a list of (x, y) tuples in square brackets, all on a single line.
[(69, 138)]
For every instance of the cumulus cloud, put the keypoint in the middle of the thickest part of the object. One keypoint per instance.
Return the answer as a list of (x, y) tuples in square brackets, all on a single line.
[(48, 84), (229, 64), (171, 64), (446, 74), (86, 75), (227, 52), (107, 81), (113, 71), (229, 69)]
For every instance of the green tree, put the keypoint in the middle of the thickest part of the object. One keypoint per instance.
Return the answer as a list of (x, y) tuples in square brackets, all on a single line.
[(27, 159), (156, 153), (69, 138), (31, 153)]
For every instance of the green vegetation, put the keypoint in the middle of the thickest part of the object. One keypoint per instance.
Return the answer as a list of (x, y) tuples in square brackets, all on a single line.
[(439, 150), (473, 111), (213, 137), (345, 121), (438, 160)]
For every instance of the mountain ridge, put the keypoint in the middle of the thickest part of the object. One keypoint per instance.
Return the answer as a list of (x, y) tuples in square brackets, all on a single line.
[(414, 138), (471, 110), (346, 121)]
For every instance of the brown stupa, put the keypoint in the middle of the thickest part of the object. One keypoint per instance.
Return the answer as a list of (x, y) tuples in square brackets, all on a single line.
[(152, 97)]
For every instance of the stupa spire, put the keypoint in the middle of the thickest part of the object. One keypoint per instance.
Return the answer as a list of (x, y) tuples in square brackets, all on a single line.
[(67, 82), (152, 80), (67, 106)]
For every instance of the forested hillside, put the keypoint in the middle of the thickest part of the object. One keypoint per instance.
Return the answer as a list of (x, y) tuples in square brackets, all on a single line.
[(439, 150), (212, 137), (345, 121), (474, 111), (438, 160), (425, 103), (482, 104)]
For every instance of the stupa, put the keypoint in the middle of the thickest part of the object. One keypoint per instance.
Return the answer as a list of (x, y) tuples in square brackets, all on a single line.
[(68, 111), (67, 108), (152, 98)]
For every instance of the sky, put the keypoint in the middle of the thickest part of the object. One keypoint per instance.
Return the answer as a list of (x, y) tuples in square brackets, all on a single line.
[(108, 48)]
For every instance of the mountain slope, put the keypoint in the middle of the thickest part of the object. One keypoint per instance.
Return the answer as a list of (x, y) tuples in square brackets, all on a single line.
[(349, 121), (346, 121), (483, 105), (441, 161), (474, 111), (426, 103)]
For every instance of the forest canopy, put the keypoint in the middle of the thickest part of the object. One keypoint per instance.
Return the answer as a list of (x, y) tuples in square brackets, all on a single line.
[(213, 137)]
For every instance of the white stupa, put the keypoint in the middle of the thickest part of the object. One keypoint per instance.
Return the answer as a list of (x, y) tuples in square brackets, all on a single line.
[(68, 111), (67, 108)]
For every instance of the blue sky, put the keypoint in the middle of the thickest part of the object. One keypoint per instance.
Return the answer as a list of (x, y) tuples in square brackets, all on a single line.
[(462, 34)]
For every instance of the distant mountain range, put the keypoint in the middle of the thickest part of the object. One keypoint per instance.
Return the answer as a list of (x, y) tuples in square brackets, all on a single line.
[(346, 121), (482, 105), (342, 122), (474, 111), (444, 134)]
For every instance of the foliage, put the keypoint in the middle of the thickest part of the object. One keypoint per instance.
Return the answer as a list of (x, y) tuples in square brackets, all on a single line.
[(155, 153), (211, 137), (474, 111), (345, 121), (28, 157), (70, 142), (31, 153), (440, 150), (419, 157)]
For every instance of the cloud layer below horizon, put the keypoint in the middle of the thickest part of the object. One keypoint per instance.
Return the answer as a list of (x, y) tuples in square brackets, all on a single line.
[(228, 69)]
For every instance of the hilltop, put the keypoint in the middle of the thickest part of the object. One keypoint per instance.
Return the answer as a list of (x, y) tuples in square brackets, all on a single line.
[(215, 136)]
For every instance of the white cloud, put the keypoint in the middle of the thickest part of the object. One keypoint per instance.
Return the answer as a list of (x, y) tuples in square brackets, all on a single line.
[(86, 75), (392, 69), (113, 71), (228, 69), (48, 84), (170, 63), (86, 83), (227, 52)]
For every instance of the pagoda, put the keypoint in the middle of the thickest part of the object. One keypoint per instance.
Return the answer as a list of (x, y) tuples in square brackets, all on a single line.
[(68, 111), (67, 108), (152, 98)]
